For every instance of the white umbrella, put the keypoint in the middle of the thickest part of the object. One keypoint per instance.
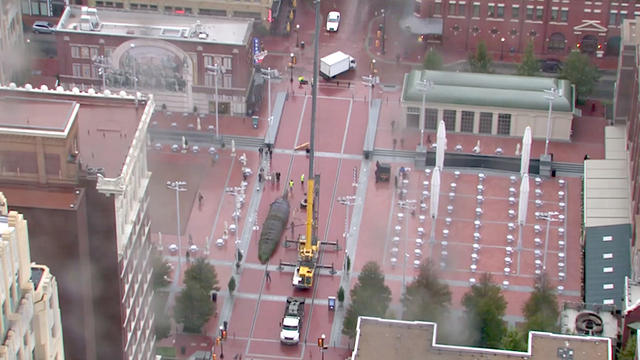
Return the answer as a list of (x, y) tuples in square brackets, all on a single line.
[(435, 192), (524, 200), (441, 145), (526, 151)]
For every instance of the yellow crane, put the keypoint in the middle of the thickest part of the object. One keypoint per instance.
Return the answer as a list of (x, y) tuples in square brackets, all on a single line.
[(308, 244)]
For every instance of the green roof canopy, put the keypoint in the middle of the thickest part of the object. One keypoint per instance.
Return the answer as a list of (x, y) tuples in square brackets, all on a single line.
[(491, 90)]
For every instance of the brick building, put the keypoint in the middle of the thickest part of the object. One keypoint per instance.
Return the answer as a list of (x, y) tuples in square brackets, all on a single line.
[(554, 26), (12, 55), (75, 165), (156, 53)]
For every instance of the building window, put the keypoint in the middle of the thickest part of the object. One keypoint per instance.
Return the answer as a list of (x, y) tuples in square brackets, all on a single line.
[(515, 12), (153, 7), (491, 10), (94, 52), (461, 9), (227, 81), (437, 8), (564, 15), (449, 117), (452, 8), (475, 30), (466, 121), (501, 11), (86, 70), (529, 12), (513, 32), (75, 52), (84, 52), (77, 70), (504, 124), (613, 18), (486, 123), (476, 10), (539, 13), (554, 14), (431, 119), (226, 63)]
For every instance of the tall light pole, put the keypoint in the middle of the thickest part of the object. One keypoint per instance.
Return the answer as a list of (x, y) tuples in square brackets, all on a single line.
[(384, 29), (347, 201), (423, 86), (549, 216), (101, 63), (269, 74), (178, 186), (550, 95), (216, 69), (291, 57), (502, 48), (135, 75), (297, 38)]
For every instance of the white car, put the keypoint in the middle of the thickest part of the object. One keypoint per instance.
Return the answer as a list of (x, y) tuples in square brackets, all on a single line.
[(333, 21)]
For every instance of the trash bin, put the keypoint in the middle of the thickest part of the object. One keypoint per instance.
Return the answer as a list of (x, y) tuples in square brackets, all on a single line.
[(332, 303), (254, 121)]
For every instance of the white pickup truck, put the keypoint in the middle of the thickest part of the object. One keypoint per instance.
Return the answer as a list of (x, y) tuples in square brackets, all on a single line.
[(292, 321)]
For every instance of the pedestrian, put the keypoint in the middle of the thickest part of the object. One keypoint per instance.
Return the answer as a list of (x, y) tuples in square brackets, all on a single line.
[(267, 274), (260, 150), (200, 198), (278, 177), (244, 176), (293, 226), (260, 177), (402, 143), (270, 155), (188, 255), (395, 177), (395, 141), (302, 180), (290, 185), (393, 124)]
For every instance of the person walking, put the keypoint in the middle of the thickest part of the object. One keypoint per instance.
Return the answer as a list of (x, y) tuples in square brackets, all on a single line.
[(278, 177), (260, 150), (302, 180), (290, 185), (267, 275)]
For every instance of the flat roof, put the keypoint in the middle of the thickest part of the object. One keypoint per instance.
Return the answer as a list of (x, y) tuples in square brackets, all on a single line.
[(396, 339), (219, 30), (53, 198), (38, 117), (606, 264), (490, 90)]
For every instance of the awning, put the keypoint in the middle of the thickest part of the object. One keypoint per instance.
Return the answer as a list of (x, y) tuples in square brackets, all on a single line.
[(419, 26)]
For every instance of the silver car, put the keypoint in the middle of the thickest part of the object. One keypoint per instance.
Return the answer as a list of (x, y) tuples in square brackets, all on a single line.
[(43, 27)]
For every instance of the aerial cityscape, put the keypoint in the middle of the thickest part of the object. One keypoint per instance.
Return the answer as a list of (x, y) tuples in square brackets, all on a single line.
[(300, 179)]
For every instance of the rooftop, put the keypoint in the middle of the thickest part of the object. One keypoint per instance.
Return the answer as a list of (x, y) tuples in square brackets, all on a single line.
[(394, 339), (219, 30), (43, 117), (490, 90), (107, 122)]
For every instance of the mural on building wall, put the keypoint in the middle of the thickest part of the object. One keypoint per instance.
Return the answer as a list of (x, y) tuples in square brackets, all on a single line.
[(148, 67)]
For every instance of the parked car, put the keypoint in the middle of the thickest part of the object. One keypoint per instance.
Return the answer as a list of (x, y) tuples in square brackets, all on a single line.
[(43, 27), (550, 65), (333, 21)]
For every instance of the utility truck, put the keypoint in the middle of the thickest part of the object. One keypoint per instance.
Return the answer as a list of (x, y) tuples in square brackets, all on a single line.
[(292, 321), (335, 64)]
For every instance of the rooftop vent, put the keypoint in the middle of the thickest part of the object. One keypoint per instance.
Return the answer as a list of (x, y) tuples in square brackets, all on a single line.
[(589, 323)]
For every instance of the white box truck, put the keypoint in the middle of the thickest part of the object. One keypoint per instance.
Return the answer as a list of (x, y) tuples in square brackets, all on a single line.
[(336, 63)]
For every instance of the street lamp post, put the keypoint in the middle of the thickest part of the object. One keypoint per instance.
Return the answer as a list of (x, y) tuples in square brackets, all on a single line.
[(101, 63), (323, 347), (178, 186), (297, 38), (291, 56), (135, 76), (549, 216), (423, 86), (221, 342), (550, 95), (347, 201), (502, 48), (384, 29), (369, 81), (216, 70)]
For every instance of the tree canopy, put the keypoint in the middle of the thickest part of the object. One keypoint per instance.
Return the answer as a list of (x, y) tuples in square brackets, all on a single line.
[(161, 270), (426, 298), (484, 307), (480, 62), (432, 60), (541, 310), (193, 308), (581, 72), (202, 274), (369, 297), (529, 65)]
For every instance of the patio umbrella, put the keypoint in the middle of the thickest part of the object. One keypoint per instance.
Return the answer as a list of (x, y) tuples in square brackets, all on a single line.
[(441, 145), (435, 192), (526, 152)]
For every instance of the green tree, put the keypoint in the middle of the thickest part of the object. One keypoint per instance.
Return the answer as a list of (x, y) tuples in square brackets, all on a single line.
[(369, 297), (426, 298), (432, 60), (231, 285), (193, 308), (341, 295), (541, 310), (629, 351), (514, 340), (161, 270), (202, 274), (484, 307), (529, 65), (480, 62), (581, 72)]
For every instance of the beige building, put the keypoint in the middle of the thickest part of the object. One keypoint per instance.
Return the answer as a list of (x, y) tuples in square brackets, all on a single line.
[(31, 325), (255, 9), (11, 40), (395, 339), (489, 104)]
